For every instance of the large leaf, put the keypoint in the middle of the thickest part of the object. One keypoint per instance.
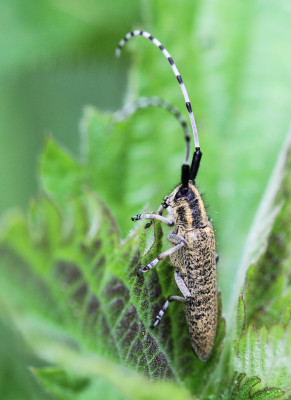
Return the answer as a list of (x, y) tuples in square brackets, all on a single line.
[(267, 286), (66, 263), (90, 375), (266, 354), (82, 277), (259, 353), (261, 360)]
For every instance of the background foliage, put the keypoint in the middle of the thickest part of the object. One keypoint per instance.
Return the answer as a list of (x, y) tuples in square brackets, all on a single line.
[(58, 57)]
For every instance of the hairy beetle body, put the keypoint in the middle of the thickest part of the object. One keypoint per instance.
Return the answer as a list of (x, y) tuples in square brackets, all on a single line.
[(196, 262)]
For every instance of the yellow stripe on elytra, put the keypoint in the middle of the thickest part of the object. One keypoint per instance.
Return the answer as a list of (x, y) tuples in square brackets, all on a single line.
[(189, 217)]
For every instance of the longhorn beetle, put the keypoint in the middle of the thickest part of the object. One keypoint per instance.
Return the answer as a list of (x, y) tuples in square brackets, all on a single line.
[(193, 250)]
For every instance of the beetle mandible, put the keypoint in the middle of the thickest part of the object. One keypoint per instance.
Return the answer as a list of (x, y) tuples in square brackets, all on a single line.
[(193, 251)]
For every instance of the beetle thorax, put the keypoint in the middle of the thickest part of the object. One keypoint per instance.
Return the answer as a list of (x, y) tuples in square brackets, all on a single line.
[(186, 207)]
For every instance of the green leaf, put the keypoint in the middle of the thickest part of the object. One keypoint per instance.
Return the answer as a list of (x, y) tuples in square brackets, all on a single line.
[(56, 163), (93, 375), (241, 316), (265, 354), (266, 294), (246, 388), (267, 289), (90, 282), (84, 278)]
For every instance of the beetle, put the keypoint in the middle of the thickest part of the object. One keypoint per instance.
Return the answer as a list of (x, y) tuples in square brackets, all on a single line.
[(193, 242)]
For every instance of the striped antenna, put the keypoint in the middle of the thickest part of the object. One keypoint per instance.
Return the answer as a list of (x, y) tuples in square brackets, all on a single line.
[(154, 101), (175, 70)]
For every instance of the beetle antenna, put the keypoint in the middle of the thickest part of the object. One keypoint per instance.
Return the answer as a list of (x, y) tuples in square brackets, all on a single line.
[(184, 91), (195, 164), (144, 102)]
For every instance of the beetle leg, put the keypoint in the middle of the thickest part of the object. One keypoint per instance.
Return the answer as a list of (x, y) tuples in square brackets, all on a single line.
[(174, 238), (161, 256), (166, 305), (159, 212), (153, 216), (183, 289), (182, 285), (216, 257)]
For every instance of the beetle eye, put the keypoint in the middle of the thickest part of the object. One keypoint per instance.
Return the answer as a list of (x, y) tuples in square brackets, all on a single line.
[(181, 193)]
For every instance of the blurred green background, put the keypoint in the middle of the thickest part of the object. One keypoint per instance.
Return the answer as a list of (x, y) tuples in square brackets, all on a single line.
[(234, 56), (56, 57)]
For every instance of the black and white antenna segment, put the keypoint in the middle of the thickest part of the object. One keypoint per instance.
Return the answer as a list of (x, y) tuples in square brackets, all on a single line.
[(175, 70), (144, 102)]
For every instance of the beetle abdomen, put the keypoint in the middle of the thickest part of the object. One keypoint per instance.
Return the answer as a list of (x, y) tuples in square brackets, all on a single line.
[(197, 265), (201, 314), (201, 310)]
